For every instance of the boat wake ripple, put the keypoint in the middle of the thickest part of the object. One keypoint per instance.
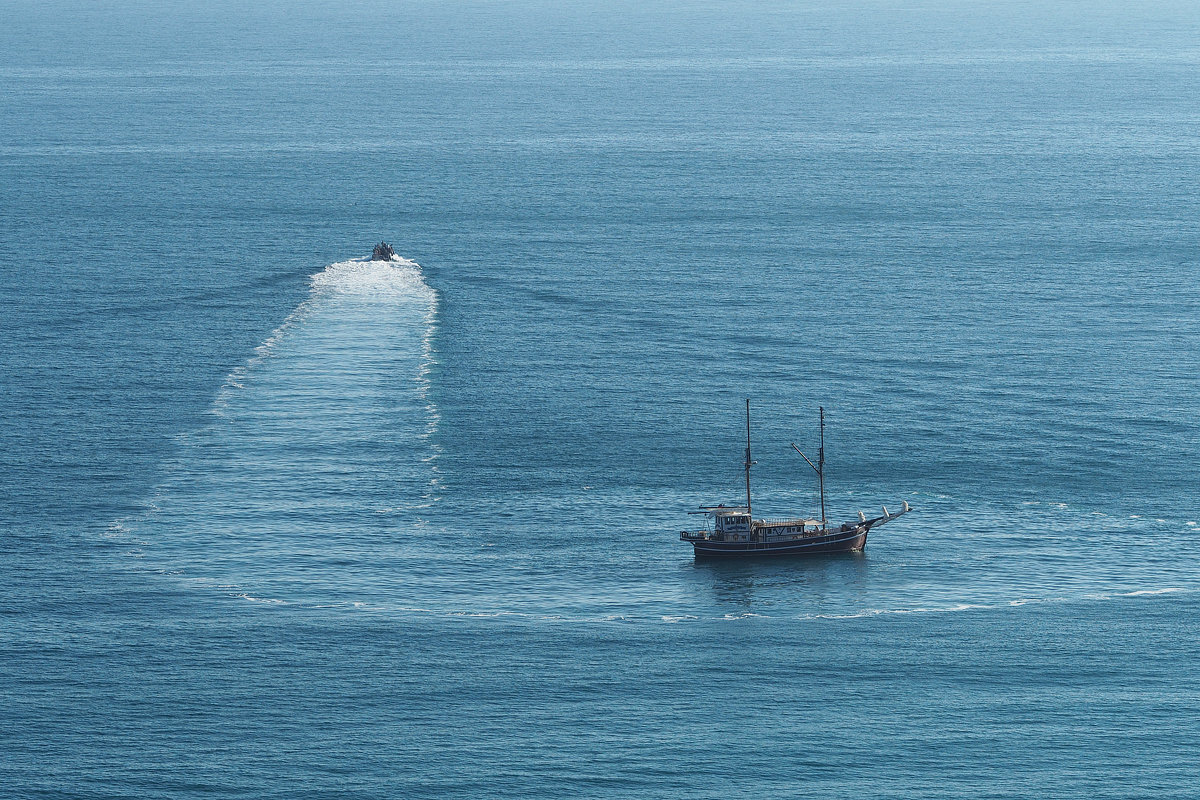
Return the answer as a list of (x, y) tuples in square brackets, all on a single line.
[(323, 440)]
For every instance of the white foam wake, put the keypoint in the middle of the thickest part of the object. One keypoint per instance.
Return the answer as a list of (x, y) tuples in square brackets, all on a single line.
[(322, 440), (399, 281), (398, 278)]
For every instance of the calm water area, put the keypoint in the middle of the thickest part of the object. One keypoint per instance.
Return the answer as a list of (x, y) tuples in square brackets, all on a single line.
[(276, 521)]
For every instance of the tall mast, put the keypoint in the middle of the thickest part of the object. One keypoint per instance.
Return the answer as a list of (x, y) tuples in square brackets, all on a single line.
[(818, 467), (748, 461), (821, 465)]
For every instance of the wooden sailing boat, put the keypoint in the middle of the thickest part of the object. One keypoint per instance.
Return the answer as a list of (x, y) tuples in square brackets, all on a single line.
[(733, 530)]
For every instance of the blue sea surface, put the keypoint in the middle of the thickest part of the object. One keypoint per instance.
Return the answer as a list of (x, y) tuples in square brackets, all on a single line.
[(277, 521)]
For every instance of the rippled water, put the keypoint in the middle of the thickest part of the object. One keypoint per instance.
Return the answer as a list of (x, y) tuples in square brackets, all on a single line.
[(280, 521)]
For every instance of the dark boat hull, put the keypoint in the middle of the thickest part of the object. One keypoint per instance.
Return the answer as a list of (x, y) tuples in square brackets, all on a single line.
[(838, 542)]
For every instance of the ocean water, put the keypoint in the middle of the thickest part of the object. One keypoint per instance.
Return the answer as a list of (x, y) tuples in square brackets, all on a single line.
[(276, 521)]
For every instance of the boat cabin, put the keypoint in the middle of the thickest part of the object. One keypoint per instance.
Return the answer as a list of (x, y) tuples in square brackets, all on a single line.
[(729, 524)]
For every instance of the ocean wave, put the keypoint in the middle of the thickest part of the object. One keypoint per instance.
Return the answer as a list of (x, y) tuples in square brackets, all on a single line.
[(676, 617), (250, 598), (1169, 590)]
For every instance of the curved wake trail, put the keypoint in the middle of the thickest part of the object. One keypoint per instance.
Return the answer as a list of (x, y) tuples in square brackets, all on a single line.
[(320, 446)]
